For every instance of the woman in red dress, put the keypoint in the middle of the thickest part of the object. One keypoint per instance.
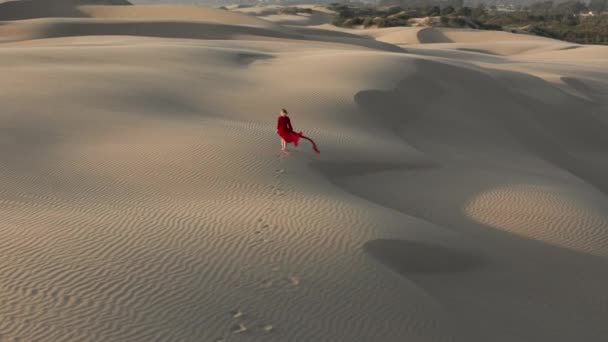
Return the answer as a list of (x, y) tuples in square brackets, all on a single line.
[(287, 134)]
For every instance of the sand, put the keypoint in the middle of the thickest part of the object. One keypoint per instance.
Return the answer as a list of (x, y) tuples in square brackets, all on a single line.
[(460, 193)]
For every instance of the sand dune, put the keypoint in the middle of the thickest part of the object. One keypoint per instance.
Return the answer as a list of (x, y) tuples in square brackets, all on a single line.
[(460, 193), (444, 41), (24, 9), (169, 12), (318, 16), (477, 36), (171, 22), (29, 9), (52, 28)]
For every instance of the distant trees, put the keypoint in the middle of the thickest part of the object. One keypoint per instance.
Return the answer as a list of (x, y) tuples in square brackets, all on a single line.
[(598, 6), (562, 21), (479, 11), (465, 11), (293, 10), (542, 8), (433, 11), (569, 8), (548, 9), (545, 18), (394, 10), (406, 4), (447, 10), (457, 22)]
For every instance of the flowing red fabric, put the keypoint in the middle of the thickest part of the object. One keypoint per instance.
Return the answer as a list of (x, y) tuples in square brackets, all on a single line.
[(285, 131)]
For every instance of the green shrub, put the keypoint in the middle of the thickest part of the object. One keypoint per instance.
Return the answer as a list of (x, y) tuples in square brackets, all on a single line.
[(293, 10), (457, 22), (348, 22), (401, 15), (379, 21), (394, 10), (491, 27), (447, 10), (543, 18)]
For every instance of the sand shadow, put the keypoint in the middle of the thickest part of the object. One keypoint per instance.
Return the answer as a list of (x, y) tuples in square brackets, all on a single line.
[(428, 101), (348, 169), (582, 88), (30, 9), (248, 59), (485, 52), (431, 35), (572, 47), (404, 103), (410, 257)]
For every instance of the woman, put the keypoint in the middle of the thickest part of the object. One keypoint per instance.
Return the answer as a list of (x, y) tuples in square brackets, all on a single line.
[(287, 134)]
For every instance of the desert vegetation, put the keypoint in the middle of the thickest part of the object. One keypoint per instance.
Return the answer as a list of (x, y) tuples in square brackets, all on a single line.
[(573, 21)]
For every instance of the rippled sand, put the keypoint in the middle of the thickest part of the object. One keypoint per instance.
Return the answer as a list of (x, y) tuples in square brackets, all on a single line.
[(460, 193)]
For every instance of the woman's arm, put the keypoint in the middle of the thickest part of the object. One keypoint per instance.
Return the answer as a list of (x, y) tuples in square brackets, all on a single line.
[(289, 124)]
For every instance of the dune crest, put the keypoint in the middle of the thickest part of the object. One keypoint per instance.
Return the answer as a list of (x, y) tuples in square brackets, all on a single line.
[(172, 12)]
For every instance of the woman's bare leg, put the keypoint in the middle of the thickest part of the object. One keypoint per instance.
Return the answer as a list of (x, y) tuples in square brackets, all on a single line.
[(283, 145)]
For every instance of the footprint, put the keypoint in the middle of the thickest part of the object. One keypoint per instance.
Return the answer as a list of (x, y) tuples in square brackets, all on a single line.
[(236, 313), (266, 327), (238, 328), (295, 281)]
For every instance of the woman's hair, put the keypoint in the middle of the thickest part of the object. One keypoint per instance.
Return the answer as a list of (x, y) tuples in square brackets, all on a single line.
[(284, 111)]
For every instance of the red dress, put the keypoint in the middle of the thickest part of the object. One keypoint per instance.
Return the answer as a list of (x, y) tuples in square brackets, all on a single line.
[(285, 131)]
